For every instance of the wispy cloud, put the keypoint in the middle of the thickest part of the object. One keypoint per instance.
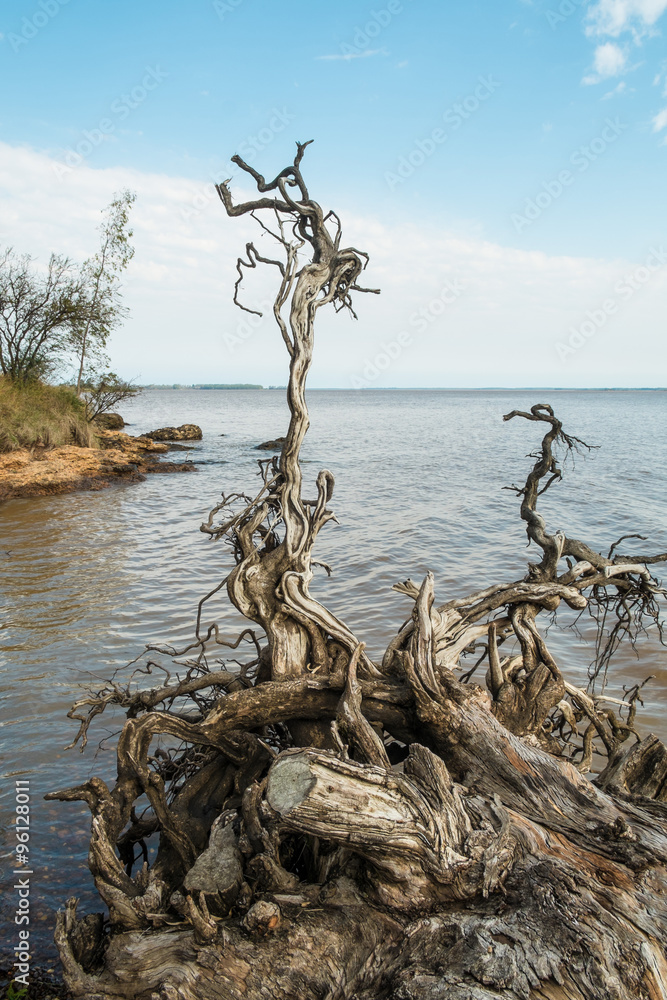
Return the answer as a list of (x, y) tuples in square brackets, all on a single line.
[(346, 56), (613, 17), (620, 88), (661, 78), (660, 121), (186, 268)]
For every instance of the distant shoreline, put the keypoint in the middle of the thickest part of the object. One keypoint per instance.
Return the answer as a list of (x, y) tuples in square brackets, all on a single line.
[(211, 385), (428, 388)]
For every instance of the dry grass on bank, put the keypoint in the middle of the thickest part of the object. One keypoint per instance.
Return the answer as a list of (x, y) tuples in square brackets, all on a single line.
[(40, 415)]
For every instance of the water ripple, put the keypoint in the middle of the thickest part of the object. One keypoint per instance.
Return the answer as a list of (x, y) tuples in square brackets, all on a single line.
[(87, 580)]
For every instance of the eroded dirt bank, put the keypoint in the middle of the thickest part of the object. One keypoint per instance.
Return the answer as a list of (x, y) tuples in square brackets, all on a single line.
[(51, 471)]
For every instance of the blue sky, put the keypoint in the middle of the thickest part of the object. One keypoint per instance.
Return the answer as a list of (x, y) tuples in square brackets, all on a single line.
[(515, 147)]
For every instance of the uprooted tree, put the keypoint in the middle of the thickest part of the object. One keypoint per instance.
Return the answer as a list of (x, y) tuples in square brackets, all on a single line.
[(334, 827)]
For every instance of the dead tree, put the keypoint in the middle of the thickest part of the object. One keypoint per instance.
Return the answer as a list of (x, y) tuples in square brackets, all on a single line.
[(333, 827)]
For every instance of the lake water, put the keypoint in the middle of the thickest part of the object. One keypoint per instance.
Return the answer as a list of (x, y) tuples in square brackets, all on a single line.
[(86, 580)]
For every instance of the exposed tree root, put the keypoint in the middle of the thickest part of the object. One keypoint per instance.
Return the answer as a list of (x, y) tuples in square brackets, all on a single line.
[(332, 827)]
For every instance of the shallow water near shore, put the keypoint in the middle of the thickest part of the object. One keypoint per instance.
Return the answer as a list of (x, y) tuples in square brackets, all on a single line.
[(86, 580)]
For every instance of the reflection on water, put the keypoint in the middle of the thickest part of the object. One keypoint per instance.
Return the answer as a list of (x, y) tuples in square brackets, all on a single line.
[(87, 580)]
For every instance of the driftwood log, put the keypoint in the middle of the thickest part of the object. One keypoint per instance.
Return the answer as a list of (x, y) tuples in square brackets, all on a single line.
[(333, 827)]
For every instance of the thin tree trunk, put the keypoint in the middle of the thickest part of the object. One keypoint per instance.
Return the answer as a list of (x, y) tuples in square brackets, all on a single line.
[(86, 330)]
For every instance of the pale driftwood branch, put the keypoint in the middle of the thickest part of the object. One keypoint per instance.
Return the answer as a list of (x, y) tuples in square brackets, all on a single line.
[(333, 828), (352, 723), (414, 832)]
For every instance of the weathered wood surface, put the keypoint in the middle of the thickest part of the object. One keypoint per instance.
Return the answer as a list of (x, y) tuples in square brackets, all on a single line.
[(450, 889), (332, 828)]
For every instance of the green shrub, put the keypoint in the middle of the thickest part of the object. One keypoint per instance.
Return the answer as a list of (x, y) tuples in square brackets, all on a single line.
[(16, 994), (34, 414)]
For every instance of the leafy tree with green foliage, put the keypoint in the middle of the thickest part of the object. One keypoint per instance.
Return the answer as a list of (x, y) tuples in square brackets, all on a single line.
[(101, 307), (37, 312)]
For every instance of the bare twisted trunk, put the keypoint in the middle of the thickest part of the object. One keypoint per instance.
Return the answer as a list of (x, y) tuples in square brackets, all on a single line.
[(336, 828)]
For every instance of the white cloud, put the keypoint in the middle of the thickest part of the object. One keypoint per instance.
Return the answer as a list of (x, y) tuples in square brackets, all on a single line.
[(346, 56), (609, 60), (620, 88), (661, 77), (515, 306), (613, 17), (660, 121)]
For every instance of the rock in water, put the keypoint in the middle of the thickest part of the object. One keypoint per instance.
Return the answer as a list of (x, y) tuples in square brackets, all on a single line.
[(110, 421), (276, 445), (186, 432)]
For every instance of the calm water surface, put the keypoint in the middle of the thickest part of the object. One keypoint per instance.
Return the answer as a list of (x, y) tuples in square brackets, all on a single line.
[(87, 580)]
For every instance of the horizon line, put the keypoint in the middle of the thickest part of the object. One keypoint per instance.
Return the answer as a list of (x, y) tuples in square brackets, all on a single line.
[(425, 388)]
